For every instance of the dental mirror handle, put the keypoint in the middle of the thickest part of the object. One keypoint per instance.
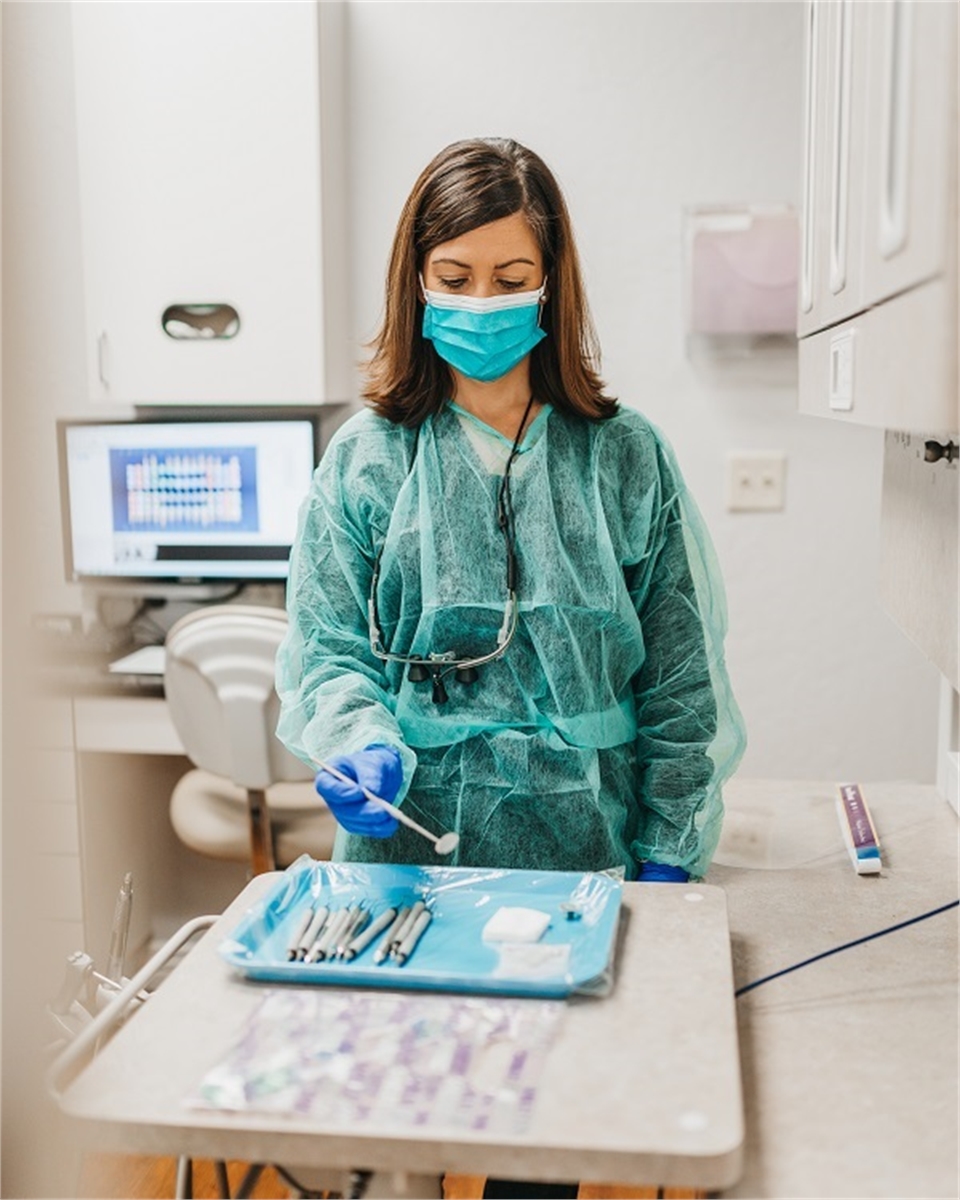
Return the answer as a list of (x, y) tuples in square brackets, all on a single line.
[(441, 844)]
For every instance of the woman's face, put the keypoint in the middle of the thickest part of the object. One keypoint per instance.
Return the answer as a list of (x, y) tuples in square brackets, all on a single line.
[(492, 260)]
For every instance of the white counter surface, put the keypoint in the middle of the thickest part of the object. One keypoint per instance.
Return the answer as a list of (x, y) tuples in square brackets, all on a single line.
[(850, 1063)]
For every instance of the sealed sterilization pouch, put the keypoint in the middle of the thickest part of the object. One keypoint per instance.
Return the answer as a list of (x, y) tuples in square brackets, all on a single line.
[(379, 1060), (429, 928)]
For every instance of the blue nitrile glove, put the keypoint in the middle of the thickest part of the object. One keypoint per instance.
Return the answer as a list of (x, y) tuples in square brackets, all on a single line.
[(654, 872), (379, 770)]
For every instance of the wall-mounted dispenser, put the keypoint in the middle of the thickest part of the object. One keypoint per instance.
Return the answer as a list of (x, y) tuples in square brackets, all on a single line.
[(742, 265)]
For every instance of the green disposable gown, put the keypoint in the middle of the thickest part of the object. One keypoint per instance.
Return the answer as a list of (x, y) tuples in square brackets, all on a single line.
[(603, 735)]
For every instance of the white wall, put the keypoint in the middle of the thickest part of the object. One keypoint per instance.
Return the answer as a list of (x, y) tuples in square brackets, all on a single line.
[(640, 109)]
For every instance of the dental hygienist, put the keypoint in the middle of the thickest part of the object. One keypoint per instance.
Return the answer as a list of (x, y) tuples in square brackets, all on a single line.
[(505, 611)]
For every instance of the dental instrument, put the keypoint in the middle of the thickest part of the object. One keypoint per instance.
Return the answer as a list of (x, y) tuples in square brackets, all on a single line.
[(409, 944), (446, 843), (120, 930), (354, 924), (312, 932), (403, 930), (384, 948), (301, 928), (362, 940)]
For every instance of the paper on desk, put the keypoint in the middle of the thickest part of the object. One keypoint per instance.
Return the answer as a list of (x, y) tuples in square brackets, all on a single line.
[(386, 1059), (148, 660)]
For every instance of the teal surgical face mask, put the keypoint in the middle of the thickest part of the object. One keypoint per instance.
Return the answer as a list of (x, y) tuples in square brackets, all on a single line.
[(483, 337)]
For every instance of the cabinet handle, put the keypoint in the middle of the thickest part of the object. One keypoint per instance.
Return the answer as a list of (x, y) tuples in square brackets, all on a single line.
[(841, 149), (895, 143), (103, 363), (806, 256), (187, 322), (933, 451)]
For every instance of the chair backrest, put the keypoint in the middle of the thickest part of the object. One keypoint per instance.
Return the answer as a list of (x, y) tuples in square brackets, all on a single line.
[(219, 685)]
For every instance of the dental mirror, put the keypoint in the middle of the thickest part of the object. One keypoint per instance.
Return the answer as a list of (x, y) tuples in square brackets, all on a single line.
[(446, 843)]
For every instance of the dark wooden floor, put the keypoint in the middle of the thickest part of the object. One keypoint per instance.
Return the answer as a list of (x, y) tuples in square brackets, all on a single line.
[(138, 1177), (134, 1177)]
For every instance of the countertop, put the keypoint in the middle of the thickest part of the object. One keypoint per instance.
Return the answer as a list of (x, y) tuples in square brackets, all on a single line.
[(849, 1064)]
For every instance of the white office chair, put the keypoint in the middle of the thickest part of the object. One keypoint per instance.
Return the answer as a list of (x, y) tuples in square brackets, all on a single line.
[(248, 799)]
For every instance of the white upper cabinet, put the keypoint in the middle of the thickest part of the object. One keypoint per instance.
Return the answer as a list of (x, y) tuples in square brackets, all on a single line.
[(210, 199), (877, 307), (910, 147), (830, 285)]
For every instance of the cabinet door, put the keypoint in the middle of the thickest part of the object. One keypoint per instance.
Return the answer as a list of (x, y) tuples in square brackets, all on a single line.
[(911, 152), (199, 135), (836, 118), (841, 290), (816, 121)]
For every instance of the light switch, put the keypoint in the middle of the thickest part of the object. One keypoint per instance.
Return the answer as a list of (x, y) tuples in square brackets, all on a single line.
[(756, 480)]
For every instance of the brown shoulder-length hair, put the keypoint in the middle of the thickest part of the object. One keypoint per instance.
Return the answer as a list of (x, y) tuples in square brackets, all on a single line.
[(467, 185)]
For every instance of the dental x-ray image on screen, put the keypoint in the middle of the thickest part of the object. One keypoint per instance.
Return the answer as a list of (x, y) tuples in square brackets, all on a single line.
[(180, 501)]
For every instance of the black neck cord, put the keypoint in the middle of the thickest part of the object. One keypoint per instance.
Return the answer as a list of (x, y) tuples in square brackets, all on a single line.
[(504, 506), (466, 672)]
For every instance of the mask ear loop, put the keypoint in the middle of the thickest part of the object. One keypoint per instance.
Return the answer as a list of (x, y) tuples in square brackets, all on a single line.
[(541, 302)]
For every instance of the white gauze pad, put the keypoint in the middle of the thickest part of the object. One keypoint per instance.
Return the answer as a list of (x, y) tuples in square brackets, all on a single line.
[(516, 925)]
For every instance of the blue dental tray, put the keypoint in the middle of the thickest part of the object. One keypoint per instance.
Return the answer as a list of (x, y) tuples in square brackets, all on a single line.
[(573, 955)]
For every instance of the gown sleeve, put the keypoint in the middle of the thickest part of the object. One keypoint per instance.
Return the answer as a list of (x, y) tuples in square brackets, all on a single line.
[(333, 692), (690, 731)]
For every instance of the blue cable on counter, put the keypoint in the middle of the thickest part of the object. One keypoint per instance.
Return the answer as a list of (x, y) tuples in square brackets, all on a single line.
[(747, 987)]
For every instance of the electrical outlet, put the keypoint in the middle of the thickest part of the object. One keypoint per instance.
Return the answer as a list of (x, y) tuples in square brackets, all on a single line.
[(756, 480)]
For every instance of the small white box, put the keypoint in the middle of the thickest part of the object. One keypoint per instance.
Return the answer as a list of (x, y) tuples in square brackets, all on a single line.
[(841, 370)]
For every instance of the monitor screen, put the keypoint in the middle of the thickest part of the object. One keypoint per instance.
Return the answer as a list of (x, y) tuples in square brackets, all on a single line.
[(183, 500)]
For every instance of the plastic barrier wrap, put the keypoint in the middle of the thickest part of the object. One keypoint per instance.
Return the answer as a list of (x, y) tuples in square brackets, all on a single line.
[(573, 954)]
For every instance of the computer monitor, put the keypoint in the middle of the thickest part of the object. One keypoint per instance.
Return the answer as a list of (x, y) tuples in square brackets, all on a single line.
[(184, 501)]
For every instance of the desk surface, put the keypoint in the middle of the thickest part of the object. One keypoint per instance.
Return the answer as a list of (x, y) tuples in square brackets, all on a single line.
[(849, 1065), (124, 725)]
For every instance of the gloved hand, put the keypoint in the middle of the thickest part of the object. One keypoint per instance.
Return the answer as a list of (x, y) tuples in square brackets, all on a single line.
[(654, 872), (379, 770)]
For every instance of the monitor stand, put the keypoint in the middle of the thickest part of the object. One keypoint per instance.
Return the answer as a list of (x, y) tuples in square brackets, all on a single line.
[(146, 589)]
